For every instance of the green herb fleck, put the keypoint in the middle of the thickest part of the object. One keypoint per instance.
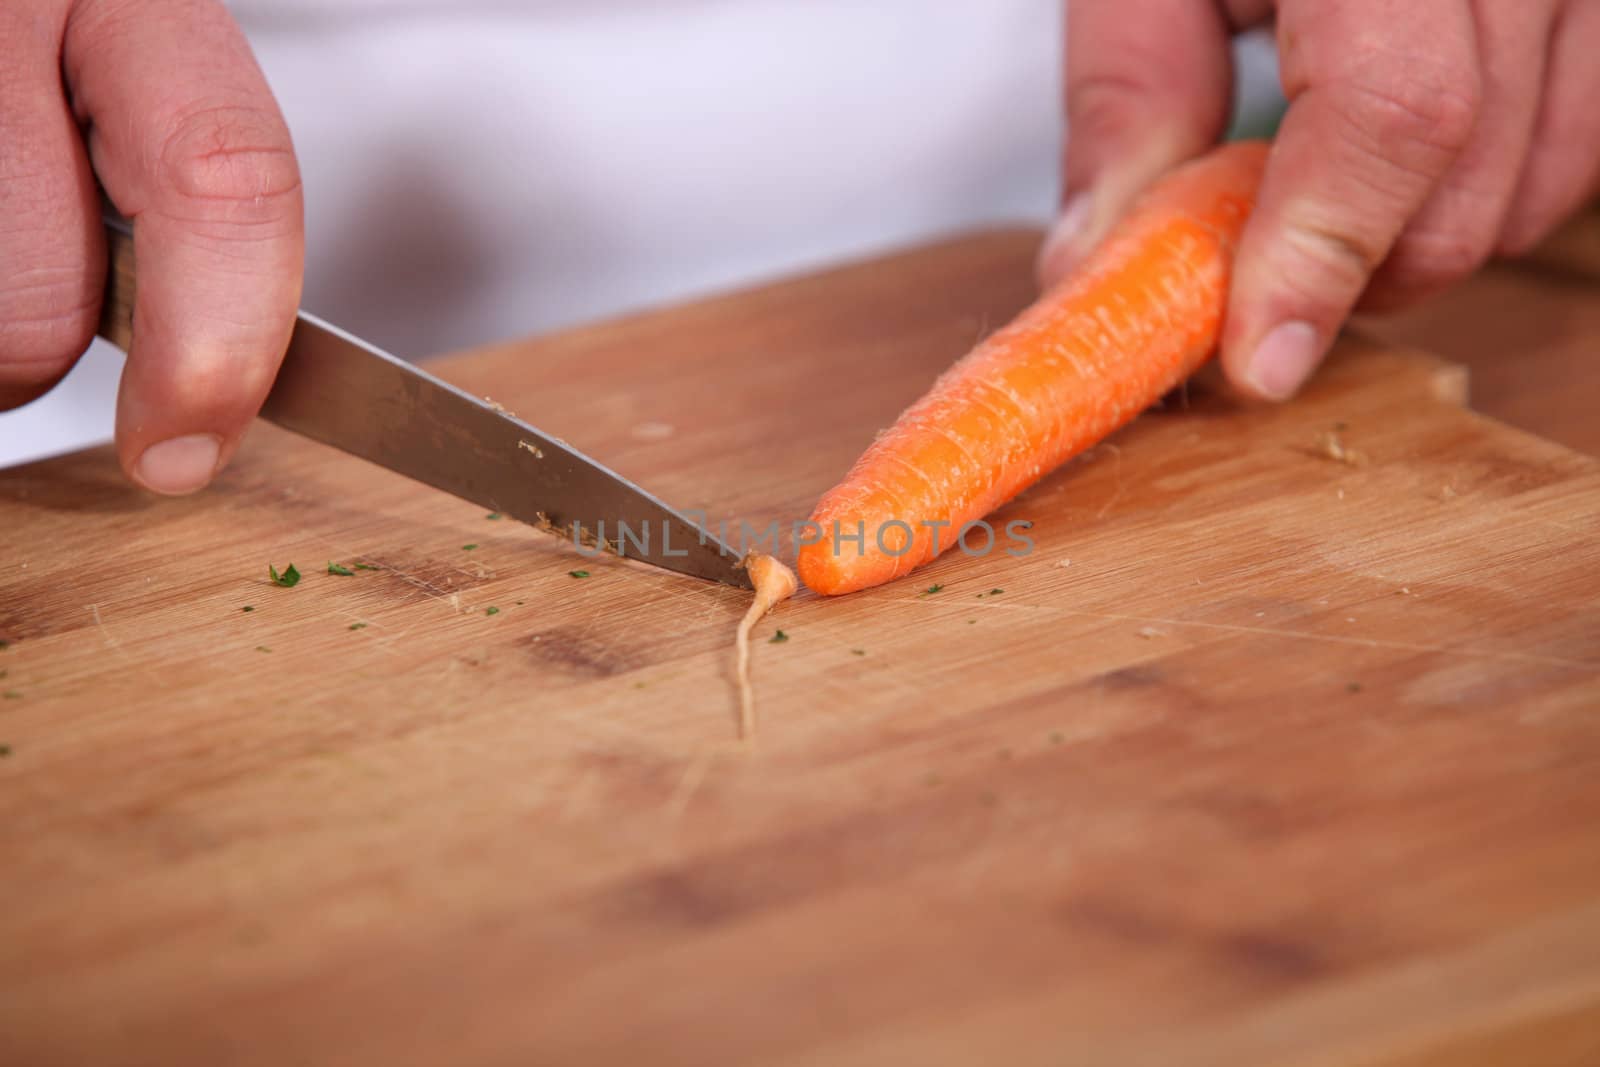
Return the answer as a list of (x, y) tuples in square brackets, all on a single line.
[(778, 638), (491, 611), (288, 579), (248, 607), (341, 571), (11, 694), (469, 548), (996, 592), (363, 566), (578, 574), (858, 652), (1056, 737), (4, 645), (5, 750), (935, 588), (493, 516), (358, 626), (1353, 687), (520, 603), (3, 672), (263, 648)]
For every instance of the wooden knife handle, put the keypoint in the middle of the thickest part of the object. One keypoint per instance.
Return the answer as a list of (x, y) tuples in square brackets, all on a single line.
[(116, 310)]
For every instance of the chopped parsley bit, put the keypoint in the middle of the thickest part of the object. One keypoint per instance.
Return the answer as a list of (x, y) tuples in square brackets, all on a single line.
[(11, 694), (493, 516), (288, 579), (933, 589), (1056, 737), (4, 645), (469, 548), (519, 603), (996, 592), (858, 652), (491, 611), (578, 574), (358, 626), (3, 672), (248, 607), (341, 571), (5, 750), (1353, 687), (363, 566), (778, 638), (263, 648)]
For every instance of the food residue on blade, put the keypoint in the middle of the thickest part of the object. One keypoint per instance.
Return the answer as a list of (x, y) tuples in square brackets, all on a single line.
[(531, 448), (774, 583)]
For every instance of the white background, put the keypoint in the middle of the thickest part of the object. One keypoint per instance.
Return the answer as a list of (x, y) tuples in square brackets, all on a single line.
[(481, 171)]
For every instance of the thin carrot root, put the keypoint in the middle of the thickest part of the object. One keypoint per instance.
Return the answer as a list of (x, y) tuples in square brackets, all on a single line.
[(1141, 314), (774, 583)]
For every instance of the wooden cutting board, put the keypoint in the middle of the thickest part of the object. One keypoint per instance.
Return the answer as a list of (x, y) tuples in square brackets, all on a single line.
[(1282, 747)]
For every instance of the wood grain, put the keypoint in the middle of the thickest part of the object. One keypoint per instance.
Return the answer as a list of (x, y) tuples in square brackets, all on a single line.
[(1261, 757), (1529, 331)]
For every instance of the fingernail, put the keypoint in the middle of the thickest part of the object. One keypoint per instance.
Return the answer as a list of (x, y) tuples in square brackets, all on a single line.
[(180, 465), (1057, 252), (1283, 360)]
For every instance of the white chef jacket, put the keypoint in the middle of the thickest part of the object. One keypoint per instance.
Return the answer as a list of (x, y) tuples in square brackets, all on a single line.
[(487, 169)]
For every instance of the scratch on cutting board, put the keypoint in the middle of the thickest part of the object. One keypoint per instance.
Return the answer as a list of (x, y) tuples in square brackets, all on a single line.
[(1116, 475), (105, 635), (116, 646), (1337, 639), (688, 784)]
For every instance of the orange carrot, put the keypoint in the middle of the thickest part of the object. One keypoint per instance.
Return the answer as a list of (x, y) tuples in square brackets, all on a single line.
[(1140, 315)]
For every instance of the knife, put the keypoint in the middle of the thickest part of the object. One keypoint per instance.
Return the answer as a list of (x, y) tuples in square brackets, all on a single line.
[(337, 389)]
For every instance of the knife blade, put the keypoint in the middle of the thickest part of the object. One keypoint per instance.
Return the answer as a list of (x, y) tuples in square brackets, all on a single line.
[(339, 390)]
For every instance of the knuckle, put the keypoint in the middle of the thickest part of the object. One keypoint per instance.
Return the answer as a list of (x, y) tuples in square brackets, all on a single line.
[(230, 155), (1105, 103), (1428, 258), (46, 323), (1522, 235), (1406, 110), (1325, 255)]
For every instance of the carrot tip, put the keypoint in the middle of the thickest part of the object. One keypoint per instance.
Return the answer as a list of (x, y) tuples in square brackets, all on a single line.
[(774, 583)]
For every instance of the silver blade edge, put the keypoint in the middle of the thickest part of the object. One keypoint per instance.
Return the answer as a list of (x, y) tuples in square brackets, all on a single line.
[(335, 388)]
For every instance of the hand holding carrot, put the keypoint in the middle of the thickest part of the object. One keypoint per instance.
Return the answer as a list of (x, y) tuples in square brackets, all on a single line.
[(1421, 138)]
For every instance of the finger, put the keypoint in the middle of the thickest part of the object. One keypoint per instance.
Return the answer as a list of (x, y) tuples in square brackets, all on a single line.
[(190, 145), (1383, 99), (1148, 84), (1456, 230), (52, 257), (1563, 169)]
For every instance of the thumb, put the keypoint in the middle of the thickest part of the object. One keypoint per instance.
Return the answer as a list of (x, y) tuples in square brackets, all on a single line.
[(190, 145), (1148, 85)]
